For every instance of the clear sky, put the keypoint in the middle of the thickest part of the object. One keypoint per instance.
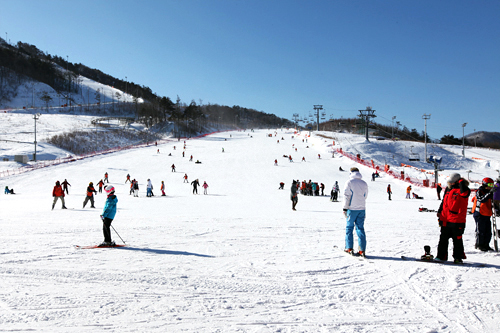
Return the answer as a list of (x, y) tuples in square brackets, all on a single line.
[(402, 58)]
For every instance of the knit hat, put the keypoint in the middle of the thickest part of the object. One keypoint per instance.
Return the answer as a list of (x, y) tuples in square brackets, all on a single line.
[(354, 169), (454, 177)]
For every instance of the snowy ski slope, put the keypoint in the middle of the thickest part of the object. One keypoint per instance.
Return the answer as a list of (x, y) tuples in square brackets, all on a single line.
[(237, 259)]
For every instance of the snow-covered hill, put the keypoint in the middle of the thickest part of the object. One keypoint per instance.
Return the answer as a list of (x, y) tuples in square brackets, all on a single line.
[(29, 95), (237, 259)]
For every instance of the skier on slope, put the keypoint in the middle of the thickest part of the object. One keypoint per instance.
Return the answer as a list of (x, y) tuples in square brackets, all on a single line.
[(100, 184), (90, 195), (57, 193), (65, 186), (482, 210), (108, 215), (335, 191), (389, 191), (205, 186), (136, 188), (355, 193), (293, 195), (195, 184), (149, 189), (162, 188), (452, 215)]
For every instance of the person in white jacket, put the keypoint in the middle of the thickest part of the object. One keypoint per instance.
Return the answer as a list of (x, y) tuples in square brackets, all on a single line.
[(355, 193), (149, 189)]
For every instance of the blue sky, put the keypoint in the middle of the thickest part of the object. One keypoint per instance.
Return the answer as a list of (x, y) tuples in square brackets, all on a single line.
[(402, 58)]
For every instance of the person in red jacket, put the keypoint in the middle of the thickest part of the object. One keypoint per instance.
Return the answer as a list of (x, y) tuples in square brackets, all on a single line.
[(58, 193), (452, 214), (90, 195)]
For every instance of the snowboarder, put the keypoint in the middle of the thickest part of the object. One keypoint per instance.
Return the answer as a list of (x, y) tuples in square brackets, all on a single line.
[(293, 195), (11, 191), (482, 210), (438, 190), (162, 188), (57, 193), (65, 186), (276, 162), (452, 214), (128, 179), (205, 186), (173, 167), (322, 187), (100, 184), (408, 191), (90, 195), (106, 180), (108, 214), (355, 193), (282, 186), (149, 189), (191, 158), (389, 191), (195, 184), (186, 178)]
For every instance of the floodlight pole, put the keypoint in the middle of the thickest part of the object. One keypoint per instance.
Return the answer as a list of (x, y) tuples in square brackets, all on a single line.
[(463, 139), (425, 117), (36, 116), (368, 113), (318, 108)]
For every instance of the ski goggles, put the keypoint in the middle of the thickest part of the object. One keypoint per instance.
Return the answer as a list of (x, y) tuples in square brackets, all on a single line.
[(490, 184)]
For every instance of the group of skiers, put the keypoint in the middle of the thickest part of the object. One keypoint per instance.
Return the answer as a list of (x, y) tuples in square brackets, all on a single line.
[(311, 188)]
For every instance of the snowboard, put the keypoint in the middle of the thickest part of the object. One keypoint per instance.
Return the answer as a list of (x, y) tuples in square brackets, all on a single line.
[(428, 257)]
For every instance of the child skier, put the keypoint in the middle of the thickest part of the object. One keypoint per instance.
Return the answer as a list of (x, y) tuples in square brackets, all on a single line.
[(108, 215), (205, 186)]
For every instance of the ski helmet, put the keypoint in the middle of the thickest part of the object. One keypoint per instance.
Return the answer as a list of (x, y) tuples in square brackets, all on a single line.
[(109, 189), (487, 181)]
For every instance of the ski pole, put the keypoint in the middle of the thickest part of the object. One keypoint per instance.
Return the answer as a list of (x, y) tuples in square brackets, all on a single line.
[(117, 234), (102, 219)]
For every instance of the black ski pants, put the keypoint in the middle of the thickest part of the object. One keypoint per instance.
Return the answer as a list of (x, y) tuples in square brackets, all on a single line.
[(106, 225), (483, 230), (454, 232)]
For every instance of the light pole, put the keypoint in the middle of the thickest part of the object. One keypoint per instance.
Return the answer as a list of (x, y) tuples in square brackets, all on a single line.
[(463, 138), (425, 117), (392, 137), (36, 116)]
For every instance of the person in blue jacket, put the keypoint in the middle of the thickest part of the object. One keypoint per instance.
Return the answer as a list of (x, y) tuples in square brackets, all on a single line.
[(108, 215)]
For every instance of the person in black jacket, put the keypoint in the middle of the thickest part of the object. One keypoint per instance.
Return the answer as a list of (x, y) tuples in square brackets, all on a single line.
[(293, 195)]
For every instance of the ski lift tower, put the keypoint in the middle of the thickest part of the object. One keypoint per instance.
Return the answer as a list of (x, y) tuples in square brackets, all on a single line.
[(367, 114), (296, 119), (318, 108)]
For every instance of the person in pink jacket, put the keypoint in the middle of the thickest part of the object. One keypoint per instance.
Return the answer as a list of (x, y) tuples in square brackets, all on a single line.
[(205, 186)]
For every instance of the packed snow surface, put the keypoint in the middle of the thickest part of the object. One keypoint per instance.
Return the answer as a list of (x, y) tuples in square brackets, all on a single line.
[(238, 258)]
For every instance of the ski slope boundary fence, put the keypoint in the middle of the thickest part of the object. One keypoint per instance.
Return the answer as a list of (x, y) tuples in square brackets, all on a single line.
[(386, 169), (69, 159)]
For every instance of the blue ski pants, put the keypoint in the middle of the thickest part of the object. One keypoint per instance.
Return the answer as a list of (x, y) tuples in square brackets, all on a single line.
[(355, 218)]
